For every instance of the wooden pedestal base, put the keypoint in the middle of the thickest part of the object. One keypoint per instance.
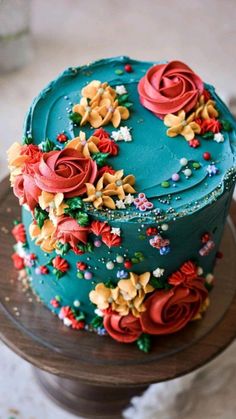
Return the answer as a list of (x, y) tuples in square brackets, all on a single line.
[(94, 376), (96, 402)]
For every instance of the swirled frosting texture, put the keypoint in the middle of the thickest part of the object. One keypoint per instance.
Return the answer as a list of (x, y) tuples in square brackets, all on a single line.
[(168, 88)]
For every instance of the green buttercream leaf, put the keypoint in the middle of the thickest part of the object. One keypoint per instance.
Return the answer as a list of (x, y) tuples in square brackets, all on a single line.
[(122, 99), (97, 322), (100, 158), (57, 273), (227, 126), (48, 145), (86, 247), (144, 343), (128, 104), (63, 247), (75, 203), (27, 140), (159, 283), (208, 135), (135, 260), (109, 284), (82, 218), (40, 216), (75, 117), (80, 275)]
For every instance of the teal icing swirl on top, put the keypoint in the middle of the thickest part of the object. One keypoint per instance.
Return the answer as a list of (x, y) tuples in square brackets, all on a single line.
[(152, 156)]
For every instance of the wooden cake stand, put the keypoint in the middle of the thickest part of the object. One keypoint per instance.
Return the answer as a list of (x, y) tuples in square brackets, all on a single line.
[(93, 376)]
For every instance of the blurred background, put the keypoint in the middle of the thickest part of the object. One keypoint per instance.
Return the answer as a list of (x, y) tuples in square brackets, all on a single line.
[(39, 38)]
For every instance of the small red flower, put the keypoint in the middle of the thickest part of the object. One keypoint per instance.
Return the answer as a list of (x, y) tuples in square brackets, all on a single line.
[(111, 240), (106, 169), (19, 233), (151, 231), (106, 145), (194, 143), (77, 324), (101, 134), (81, 266), (176, 278), (98, 228), (189, 269), (60, 264), (32, 256), (212, 125), (62, 138), (66, 312), (18, 261)]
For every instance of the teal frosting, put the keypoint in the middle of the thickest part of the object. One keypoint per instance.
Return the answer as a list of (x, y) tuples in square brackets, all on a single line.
[(190, 206)]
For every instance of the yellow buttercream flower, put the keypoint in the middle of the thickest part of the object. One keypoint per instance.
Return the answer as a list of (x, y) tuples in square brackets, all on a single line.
[(45, 237), (100, 195), (85, 147), (132, 292), (96, 91), (121, 185), (206, 110), (203, 309), (15, 161), (112, 112), (99, 106), (103, 297), (89, 113), (181, 126), (55, 203)]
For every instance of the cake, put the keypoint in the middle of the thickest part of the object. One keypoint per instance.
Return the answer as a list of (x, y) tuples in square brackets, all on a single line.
[(125, 176)]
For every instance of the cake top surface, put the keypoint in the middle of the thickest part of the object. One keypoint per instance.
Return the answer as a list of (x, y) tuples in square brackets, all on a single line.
[(175, 176)]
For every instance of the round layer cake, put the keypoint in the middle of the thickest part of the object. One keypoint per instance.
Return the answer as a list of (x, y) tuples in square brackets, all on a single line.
[(125, 174)]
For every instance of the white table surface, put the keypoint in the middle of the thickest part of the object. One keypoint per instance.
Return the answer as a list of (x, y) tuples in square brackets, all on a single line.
[(73, 32)]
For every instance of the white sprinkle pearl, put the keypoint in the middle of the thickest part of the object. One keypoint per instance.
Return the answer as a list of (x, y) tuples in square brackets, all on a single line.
[(164, 227), (187, 172), (209, 278), (110, 265), (199, 270), (76, 303), (119, 259), (183, 161)]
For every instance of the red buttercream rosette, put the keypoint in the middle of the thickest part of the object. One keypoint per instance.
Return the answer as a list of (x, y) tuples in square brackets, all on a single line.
[(65, 171), (169, 311), (69, 231), (124, 329), (169, 88)]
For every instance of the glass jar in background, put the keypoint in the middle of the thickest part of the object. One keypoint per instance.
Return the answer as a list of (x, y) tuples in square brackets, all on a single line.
[(15, 45)]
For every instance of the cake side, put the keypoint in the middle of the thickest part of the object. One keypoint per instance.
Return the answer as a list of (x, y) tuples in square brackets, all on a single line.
[(129, 220)]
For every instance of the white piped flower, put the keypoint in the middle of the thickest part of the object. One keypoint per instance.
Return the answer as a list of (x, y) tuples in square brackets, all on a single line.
[(115, 230), (121, 90), (129, 199), (67, 322), (123, 134), (120, 204), (158, 272), (218, 137), (99, 312), (20, 250)]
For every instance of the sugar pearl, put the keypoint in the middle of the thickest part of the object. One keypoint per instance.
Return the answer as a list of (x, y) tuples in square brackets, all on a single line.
[(97, 243), (175, 177), (199, 270), (76, 303), (164, 227), (110, 265), (183, 161), (88, 275), (119, 259), (187, 172)]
